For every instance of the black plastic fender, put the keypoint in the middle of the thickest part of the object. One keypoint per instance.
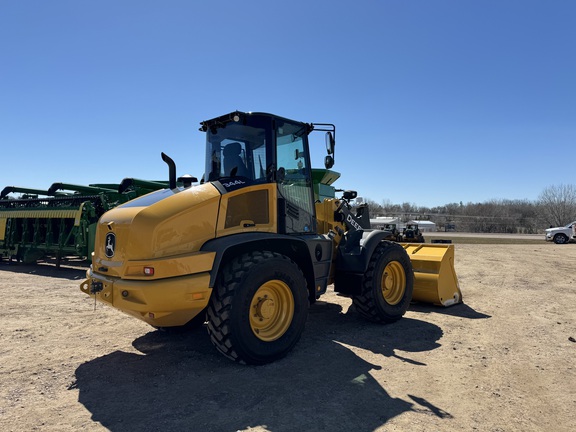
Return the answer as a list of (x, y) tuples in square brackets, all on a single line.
[(353, 259), (312, 253)]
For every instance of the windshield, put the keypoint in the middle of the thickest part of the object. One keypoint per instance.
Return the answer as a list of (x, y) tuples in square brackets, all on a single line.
[(237, 150)]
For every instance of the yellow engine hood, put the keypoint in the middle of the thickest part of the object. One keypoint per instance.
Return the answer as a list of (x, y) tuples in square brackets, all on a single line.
[(161, 224)]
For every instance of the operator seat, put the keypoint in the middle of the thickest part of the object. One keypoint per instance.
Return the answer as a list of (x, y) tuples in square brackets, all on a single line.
[(233, 160)]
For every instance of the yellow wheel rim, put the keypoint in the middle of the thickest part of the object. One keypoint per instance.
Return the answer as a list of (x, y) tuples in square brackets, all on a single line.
[(271, 310), (393, 283)]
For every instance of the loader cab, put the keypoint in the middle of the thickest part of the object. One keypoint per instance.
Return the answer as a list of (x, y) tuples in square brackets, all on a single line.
[(245, 150)]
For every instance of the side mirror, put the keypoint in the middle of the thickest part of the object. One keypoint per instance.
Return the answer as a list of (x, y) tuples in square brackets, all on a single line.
[(330, 143), (350, 194)]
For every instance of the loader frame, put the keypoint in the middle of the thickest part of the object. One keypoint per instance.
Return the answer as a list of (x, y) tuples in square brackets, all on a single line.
[(250, 248)]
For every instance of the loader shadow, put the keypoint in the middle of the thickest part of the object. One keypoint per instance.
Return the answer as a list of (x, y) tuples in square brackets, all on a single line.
[(180, 382), (461, 310)]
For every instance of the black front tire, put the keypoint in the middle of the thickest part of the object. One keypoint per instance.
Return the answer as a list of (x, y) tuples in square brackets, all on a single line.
[(258, 308), (560, 239), (387, 285)]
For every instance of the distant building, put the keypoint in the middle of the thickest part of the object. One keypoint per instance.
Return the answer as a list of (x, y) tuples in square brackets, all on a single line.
[(424, 226), (381, 222)]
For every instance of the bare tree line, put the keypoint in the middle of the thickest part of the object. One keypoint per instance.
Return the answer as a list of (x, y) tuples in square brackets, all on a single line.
[(555, 206)]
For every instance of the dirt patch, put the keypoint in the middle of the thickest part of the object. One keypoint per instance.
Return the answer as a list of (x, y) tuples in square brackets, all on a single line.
[(502, 361)]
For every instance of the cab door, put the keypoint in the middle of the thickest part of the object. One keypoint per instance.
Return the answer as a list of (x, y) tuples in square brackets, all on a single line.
[(294, 178)]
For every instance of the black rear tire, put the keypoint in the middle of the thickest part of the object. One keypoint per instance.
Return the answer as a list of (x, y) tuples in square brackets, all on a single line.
[(387, 285), (258, 308)]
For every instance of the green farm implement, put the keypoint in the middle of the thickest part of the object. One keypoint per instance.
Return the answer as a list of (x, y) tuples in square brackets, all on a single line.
[(60, 221)]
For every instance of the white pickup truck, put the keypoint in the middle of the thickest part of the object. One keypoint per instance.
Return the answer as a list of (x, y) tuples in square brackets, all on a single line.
[(562, 235)]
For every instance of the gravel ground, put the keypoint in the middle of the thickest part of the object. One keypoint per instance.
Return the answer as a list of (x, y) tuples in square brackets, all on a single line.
[(502, 361)]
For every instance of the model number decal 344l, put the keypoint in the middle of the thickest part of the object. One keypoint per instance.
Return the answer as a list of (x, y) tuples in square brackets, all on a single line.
[(233, 183)]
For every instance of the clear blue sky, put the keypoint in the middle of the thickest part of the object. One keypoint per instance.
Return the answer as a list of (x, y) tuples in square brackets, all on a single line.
[(434, 102)]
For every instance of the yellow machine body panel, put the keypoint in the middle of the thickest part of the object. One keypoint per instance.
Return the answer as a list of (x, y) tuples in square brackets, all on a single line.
[(160, 303), (177, 224), (435, 278), (157, 272), (249, 209), (326, 223), (153, 268), (325, 216)]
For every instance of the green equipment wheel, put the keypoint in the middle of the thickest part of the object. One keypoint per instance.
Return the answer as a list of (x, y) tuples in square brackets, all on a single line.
[(387, 284), (258, 308)]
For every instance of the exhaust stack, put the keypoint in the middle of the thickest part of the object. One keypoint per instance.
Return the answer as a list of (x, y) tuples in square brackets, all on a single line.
[(171, 170)]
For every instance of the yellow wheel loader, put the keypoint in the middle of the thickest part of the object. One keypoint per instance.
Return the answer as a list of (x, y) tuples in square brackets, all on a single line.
[(259, 240)]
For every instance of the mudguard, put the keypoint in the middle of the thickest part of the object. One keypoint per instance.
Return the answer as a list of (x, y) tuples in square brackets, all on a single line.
[(312, 253)]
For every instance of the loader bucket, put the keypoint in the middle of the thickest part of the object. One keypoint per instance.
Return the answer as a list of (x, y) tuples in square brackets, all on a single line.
[(435, 279)]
